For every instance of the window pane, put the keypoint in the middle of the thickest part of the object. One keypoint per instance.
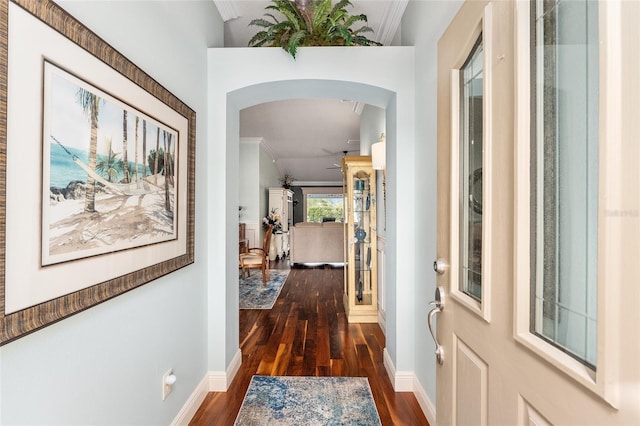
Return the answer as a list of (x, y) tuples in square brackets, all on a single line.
[(471, 173), (325, 207), (565, 174)]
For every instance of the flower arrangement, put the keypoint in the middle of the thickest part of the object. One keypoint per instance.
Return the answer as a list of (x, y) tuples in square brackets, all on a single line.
[(286, 181), (273, 218)]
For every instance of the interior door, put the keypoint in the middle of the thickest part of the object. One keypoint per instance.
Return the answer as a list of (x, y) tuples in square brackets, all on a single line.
[(539, 214)]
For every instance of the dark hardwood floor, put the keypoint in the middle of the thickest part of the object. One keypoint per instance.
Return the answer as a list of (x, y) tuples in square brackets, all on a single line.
[(307, 334)]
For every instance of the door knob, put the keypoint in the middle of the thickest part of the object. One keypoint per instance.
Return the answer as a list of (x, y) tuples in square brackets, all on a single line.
[(439, 307), (440, 266)]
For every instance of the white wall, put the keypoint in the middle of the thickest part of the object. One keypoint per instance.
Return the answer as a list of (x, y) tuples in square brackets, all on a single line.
[(249, 179), (104, 365), (269, 178), (422, 25), (257, 173)]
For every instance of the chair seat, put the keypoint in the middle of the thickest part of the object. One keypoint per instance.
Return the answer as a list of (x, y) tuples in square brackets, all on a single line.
[(250, 260), (256, 257)]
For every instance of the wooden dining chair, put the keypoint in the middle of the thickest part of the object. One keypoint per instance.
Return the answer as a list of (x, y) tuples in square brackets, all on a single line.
[(257, 257)]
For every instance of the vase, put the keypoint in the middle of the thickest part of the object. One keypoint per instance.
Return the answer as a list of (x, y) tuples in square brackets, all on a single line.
[(273, 251), (360, 234), (279, 248)]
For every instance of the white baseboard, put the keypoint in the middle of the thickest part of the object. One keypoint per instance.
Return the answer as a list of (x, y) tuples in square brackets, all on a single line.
[(194, 402), (382, 320), (406, 381), (388, 365), (425, 402), (212, 382), (219, 381), (402, 381)]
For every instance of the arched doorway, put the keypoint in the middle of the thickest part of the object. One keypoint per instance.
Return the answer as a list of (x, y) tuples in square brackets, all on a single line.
[(241, 84)]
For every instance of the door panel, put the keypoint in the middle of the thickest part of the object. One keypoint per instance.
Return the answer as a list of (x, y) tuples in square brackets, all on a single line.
[(471, 386), (497, 368), (529, 415)]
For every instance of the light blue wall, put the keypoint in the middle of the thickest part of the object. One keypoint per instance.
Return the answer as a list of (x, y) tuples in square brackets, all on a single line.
[(241, 84), (422, 25), (249, 179), (113, 355), (104, 365)]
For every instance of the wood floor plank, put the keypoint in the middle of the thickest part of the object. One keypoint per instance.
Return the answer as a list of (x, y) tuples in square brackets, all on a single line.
[(306, 333)]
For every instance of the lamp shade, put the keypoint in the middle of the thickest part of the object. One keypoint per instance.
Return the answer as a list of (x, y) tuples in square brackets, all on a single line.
[(378, 155)]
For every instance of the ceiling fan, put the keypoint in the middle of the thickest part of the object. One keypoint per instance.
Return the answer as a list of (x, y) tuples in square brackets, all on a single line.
[(344, 153)]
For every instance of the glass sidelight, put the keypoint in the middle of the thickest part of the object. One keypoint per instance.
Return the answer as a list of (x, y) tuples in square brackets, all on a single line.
[(564, 175), (471, 148)]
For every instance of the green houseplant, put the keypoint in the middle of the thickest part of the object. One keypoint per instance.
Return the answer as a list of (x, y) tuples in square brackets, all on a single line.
[(310, 23)]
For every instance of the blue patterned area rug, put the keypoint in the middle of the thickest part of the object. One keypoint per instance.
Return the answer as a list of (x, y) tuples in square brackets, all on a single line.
[(308, 401), (254, 295)]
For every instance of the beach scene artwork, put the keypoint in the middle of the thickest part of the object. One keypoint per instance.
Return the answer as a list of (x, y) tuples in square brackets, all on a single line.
[(109, 172)]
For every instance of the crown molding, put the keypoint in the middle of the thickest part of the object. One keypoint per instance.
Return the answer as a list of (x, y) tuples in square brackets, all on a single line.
[(227, 9), (391, 21), (331, 183)]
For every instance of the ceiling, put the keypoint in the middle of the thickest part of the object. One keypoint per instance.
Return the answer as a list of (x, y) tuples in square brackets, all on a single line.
[(305, 137)]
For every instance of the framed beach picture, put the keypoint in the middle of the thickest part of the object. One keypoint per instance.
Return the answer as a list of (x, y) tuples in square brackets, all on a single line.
[(96, 171), (92, 140)]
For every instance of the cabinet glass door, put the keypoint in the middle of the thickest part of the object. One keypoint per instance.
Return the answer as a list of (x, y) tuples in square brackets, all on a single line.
[(362, 238)]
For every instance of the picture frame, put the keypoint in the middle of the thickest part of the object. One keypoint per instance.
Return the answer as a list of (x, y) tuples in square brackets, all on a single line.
[(108, 243)]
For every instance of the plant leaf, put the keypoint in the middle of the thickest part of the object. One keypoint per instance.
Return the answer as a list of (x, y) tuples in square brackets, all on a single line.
[(259, 39), (295, 41), (259, 22), (320, 14)]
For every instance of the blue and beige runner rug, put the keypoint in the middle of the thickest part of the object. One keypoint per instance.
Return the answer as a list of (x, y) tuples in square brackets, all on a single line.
[(308, 401), (254, 295)]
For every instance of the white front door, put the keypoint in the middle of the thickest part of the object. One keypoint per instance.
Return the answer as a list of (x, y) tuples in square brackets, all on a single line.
[(539, 214)]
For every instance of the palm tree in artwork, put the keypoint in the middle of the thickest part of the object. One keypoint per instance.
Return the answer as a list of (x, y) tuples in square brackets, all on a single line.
[(144, 149), (125, 159), (90, 103), (156, 170), (167, 170), (136, 150), (110, 166)]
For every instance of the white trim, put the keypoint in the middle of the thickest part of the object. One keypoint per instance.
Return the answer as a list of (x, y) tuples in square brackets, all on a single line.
[(407, 381), (317, 183), (382, 320), (192, 404), (482, 308), (402, 381), (252, 232), (487, 166), (388, 365), (428, 408), (219, 381), (391, 21), (228, 10)]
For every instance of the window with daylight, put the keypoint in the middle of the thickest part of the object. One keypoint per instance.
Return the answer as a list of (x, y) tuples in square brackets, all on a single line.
[(470, 218), (324, 207), (564, 175)]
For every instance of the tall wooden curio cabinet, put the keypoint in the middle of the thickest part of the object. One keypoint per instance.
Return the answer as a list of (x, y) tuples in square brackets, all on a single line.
[(360, 270)]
